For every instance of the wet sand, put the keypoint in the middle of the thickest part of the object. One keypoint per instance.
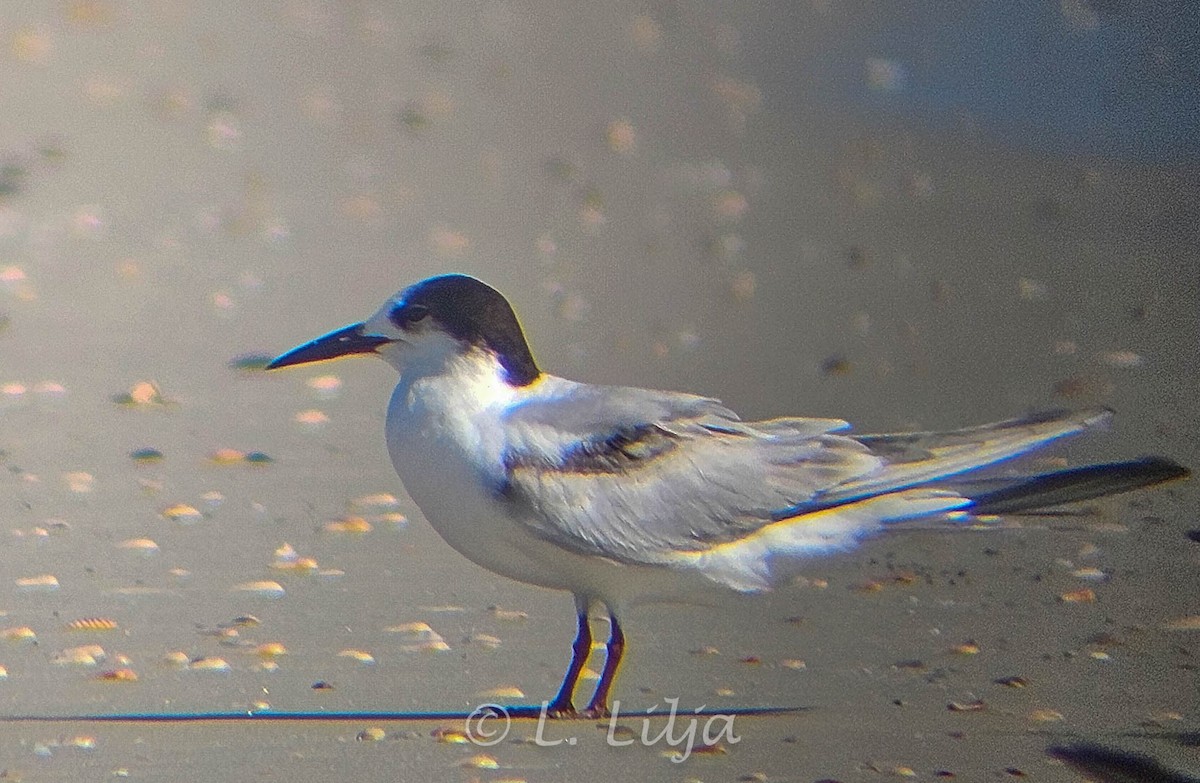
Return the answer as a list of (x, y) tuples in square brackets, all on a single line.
[(190, 186)]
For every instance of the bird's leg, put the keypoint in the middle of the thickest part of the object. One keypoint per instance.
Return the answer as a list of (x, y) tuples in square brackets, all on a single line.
[(562, 706), (598, 706)]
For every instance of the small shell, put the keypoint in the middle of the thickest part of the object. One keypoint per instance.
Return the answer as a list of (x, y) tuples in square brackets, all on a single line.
[(1045, 715), (145, 546), (486, 640), (362, 656), (3, 673), (1013, 682), (37, 584), (77, 656), (147, 454), (210, 665), (227, 457), (1188, 623), (181, 512), (502, 692), (418, 629), (371, 734), (117, 675), (312, 419), (970, 706), (22, 633), (508, 615), (245, 621), (92, 624), (143, 393), (82, 742), (480, 761), (422, 638), (1085, 596), (265, 588), (1122, 359), (80, 481), (300, 564), (969, 647), (793, 663), (94, 650), (377, 502), (178, 659), (222, 632), (270, 650), (348, 525), (451, 736)]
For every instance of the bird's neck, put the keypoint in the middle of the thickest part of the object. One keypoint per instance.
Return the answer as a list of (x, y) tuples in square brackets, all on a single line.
[(462, 385)]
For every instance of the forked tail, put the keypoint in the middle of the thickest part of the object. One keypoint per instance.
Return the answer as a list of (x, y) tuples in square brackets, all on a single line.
[(1046, 490)]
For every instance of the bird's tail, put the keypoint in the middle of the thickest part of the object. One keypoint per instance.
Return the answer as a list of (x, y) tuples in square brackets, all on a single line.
[(924, 479), (1046, 490)]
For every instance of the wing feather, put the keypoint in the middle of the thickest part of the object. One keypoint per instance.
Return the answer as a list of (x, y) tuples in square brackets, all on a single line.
[(641, 476), (635, 475)]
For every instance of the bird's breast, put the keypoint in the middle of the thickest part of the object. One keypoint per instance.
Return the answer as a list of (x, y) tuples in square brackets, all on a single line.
[(453, 473)]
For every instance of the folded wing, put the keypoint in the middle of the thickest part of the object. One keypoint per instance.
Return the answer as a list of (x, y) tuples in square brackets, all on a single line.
[(650, 477)]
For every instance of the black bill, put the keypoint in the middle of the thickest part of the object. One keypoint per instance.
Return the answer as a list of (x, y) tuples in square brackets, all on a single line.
[(347, 341)]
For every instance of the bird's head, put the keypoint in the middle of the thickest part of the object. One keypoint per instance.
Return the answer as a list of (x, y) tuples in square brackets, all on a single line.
[(427, 324)]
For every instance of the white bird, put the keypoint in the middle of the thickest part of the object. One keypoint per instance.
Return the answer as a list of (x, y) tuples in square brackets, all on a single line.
[(623, 495)]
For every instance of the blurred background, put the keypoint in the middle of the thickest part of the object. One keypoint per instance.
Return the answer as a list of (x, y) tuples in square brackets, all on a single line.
[(893, 214)]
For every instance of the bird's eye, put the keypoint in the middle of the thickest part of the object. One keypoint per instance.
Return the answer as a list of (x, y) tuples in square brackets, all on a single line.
[(408, 314)]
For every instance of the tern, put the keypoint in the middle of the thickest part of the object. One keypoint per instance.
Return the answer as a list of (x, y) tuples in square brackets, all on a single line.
[(623, 495)]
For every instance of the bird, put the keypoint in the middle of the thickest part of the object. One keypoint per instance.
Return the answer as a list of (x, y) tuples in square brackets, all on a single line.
[(623, 496)]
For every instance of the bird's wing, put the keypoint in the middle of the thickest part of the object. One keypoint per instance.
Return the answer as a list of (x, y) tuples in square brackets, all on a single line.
[(636, 475), (640, 476), (913, 459)]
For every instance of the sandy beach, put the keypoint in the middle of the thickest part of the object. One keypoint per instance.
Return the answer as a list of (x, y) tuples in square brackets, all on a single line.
[(736, 200)]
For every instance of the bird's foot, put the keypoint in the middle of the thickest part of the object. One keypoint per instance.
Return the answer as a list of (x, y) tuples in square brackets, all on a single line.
[(562, 710), (596, 712), (567, 711)]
